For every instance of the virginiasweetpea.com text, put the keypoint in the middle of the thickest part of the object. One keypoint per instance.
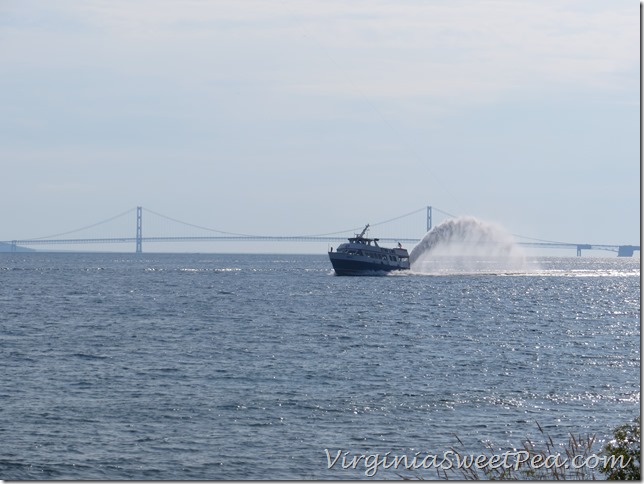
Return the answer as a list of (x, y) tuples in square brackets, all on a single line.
[(452, 460)]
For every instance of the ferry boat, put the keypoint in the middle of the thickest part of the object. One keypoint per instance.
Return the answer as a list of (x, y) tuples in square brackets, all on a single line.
[(363, 256)]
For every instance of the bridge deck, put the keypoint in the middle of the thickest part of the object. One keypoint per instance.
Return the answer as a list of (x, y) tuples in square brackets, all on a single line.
[(623, 250)]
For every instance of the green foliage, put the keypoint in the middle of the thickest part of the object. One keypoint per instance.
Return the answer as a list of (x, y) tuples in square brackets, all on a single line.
[(619, 459), (625, 446), (547, 452)]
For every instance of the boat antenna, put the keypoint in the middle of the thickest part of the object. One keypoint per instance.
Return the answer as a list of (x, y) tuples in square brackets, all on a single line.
[(364, 231)]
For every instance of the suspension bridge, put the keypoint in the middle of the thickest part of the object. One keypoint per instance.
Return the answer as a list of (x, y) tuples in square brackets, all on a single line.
[(138, 239)]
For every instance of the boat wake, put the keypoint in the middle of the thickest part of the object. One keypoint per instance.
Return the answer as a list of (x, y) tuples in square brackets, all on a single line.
[(467, 245)]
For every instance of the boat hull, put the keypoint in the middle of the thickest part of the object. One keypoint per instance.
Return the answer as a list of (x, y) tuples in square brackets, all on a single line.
[(354, 266)]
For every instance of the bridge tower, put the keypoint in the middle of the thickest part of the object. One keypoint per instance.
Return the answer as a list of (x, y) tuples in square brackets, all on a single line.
[(139, 230), (429, 218)]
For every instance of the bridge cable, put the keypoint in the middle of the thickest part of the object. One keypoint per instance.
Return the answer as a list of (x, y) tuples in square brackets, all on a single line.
[(84, 228), (197, 226), (444, 212), (251, 235), (371, 225), (541, 240)]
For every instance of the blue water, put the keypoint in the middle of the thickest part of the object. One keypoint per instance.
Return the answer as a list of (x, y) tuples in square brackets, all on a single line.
[(123, 366)]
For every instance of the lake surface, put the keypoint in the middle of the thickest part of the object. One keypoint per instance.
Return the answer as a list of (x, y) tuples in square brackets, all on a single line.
[(159, 366)]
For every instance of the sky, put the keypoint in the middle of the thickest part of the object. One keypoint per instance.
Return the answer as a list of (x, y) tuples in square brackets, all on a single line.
[(309, 117)]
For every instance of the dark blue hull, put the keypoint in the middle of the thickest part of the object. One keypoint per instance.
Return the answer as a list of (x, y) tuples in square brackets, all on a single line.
[(345, 267)]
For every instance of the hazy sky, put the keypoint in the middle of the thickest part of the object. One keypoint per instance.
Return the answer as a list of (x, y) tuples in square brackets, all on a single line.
[(306, 117)]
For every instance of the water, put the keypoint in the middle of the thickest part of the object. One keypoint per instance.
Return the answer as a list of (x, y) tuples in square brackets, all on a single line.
[(249, 366)]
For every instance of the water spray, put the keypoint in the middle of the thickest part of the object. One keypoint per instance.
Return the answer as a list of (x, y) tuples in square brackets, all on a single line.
[(466, 244)]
